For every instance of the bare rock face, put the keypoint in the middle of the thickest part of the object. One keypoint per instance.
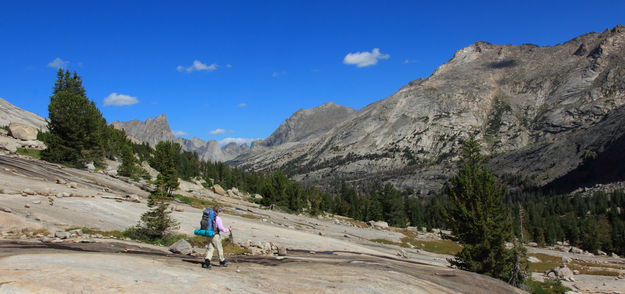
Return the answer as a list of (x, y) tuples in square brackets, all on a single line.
[(9, 113), (539, 111), (23, 132), (151, 131), (306, 124)]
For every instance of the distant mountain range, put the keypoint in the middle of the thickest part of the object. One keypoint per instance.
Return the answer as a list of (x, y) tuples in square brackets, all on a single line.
[(154, 130), (539, 112)]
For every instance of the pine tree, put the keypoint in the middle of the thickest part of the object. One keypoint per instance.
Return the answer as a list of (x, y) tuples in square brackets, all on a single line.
[(129, 167), (75, 124), (479, 220)]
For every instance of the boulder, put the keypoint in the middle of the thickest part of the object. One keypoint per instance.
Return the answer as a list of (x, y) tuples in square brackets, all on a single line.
[(6, 209), (281, 251), (182, 247), (133, 198), (563, 273), (231, 193), (218, 190), (61, 181), (614, 255), (45, 192), (402, 253), (258, 196), (90, 166), (379, 224), (62, 235), (236, 191), (566, 259), (532, 244), (8, 144), (28, 192), (602, 253), (576, 250), (22, 131), (36, 201), (533, 259), (72, 185)]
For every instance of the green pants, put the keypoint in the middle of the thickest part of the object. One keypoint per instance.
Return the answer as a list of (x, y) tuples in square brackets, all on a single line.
[(215, 242)]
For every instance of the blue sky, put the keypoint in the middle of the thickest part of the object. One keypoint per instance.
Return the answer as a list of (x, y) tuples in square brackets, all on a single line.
[(237, 69)]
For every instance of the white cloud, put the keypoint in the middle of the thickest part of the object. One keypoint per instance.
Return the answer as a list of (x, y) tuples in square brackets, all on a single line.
[(229, 65), (197, 66), (58, 63), (180, 133), (277, 74), (115, 99), (220, 131), (239, 141), (364, 59), (241, 104)]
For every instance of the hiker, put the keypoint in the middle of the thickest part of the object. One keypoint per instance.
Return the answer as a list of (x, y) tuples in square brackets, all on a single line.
[(215, 241)]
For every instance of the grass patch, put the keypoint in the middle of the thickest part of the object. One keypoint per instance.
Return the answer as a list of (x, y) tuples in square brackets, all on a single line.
[(41, 231), (357, 223), (195, 202), (388, 242), (549, 286), (435, 246), (34, 153), (546, 263), (585, 268), (245, 215), (438, 246)]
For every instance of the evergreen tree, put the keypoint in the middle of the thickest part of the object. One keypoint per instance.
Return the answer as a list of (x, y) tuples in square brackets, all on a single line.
[(479, 220), (129, 167), (75, 124)]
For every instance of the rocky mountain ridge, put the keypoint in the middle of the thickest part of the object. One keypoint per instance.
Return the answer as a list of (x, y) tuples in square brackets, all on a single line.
[(154, 130), (537, 111), (307, 124)]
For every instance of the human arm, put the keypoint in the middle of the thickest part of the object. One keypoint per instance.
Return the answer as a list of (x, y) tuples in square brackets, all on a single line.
[(220, 225)]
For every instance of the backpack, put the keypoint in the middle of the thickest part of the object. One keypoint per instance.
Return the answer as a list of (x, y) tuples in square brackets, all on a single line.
[(207, 224)]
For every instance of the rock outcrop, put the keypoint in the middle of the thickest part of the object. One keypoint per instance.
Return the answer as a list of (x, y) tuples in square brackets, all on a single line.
[(9, 113), (539, 112)]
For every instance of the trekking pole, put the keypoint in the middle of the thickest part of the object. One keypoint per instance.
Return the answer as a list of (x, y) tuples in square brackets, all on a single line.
[(232, 241)]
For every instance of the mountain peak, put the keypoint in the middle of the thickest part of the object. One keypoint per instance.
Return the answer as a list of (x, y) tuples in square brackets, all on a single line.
[(309, 123)]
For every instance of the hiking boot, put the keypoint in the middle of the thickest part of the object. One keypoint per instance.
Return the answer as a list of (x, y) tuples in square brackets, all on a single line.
[(223, 263), (206, 263)]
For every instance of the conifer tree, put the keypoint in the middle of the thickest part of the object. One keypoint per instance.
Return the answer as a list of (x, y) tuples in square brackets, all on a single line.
[(129, 167), (74, 123), (480, 221)]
